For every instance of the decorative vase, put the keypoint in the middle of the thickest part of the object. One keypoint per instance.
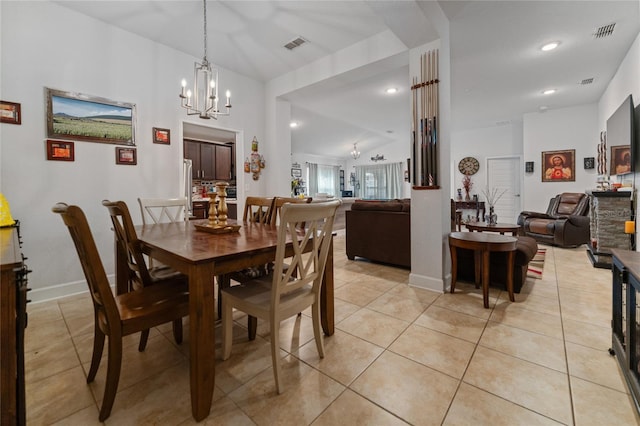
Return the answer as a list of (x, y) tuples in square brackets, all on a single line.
[(491, 218), (459, 198)]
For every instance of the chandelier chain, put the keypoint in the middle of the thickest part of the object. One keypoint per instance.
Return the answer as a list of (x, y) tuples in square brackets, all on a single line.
[(205, 30)]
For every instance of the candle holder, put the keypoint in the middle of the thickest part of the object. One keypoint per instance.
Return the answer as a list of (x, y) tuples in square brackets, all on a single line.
[(213, 212), (218, 214), (221, 188)]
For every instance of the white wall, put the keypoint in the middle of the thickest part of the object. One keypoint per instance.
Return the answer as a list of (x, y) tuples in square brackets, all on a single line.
[(46, 45), (497, 141), (553, 130)]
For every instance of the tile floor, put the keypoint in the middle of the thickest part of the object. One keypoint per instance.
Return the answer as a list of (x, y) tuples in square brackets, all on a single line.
[(400, 355)]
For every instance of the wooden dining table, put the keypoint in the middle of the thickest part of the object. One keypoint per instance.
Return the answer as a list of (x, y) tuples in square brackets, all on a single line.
[(202, 256)]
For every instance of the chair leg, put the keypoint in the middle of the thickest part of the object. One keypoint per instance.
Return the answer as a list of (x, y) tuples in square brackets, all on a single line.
[(317, 328), (227, 330), (144, 336), (275, 354), (114, 362), (98, 345), (177, 331), (224, 281)]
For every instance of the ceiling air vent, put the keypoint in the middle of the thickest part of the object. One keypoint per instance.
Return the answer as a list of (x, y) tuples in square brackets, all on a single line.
[(586, 81), (295, 43), (604, 31)]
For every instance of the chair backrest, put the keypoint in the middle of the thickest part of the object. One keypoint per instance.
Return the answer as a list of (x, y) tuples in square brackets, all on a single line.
[(94, 272), (308, 268), (128, 239), (258, 209), (570, 203), (280, 201), (163, 209)]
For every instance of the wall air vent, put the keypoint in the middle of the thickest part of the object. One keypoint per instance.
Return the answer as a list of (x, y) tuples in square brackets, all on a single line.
[(295, 43), (604, 31), (586, 81)]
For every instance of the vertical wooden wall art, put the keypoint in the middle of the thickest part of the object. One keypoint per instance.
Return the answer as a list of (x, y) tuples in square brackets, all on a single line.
[(425, 122)]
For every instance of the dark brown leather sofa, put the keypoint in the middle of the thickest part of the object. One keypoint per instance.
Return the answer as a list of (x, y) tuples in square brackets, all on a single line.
[(526, 249), (565, 223), (380, 231)]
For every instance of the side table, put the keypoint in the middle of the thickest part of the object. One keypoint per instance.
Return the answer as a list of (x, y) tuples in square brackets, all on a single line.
[(483, 243), (498, 227)]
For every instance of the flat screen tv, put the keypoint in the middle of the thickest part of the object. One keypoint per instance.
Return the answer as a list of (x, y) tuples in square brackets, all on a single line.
[(623, 152)]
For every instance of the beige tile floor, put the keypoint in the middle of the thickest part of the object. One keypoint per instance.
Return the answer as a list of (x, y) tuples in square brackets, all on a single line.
[(400, 355)]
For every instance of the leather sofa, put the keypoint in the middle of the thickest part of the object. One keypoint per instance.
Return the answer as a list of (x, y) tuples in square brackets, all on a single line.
[(380, 230), (564, 224), (526, 249)]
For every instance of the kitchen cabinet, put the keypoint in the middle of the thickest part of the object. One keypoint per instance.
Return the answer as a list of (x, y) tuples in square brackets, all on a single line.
[(210, 161)]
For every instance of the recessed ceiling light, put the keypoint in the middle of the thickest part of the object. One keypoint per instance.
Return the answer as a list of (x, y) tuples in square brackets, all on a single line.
[(550, 46), (549, 92), (293, 124), (391, 90)]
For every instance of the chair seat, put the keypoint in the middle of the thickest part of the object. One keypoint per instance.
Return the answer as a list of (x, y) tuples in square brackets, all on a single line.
[(159, 300), (542, 226)]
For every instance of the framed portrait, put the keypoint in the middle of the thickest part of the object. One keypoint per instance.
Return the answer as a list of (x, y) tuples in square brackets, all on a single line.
[(10, 113), (126, 156), (78, 117), (162, 136), (621, 160), (559, 166), (60, 150)]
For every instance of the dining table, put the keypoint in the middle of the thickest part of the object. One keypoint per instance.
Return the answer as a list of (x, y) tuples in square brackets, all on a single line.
[(202, 256)]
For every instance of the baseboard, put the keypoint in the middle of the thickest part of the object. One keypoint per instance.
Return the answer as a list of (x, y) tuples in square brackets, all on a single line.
[(426, 283), (61, 290)]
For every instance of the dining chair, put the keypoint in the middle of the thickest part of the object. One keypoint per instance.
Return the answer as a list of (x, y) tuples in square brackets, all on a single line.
[(281, 294), (278, 202), (258, 209), (158, 210), (121, 315), (140, 275)]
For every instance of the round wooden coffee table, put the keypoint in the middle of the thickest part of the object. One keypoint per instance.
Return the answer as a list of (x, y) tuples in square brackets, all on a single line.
[(498, 227), (482, 244)]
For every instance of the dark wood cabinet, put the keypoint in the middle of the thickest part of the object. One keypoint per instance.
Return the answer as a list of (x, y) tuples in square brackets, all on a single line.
[(210, 161)]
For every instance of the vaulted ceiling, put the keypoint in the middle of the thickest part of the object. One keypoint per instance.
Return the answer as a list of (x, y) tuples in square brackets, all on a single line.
[(498, 69)]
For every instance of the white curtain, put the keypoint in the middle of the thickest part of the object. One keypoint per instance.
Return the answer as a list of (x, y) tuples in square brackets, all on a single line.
[(313, 179), (324, 179), (379, 181)]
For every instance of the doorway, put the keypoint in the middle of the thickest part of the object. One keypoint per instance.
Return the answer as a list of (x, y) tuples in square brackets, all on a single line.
[(504, 174)]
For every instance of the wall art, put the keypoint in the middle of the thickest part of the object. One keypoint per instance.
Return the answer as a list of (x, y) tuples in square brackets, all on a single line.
[(78, 117), (60, 150), (10, 112), (559, 166), (126, 156)]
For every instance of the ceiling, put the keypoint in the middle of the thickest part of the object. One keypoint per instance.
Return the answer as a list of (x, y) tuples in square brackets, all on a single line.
[(498, 70)]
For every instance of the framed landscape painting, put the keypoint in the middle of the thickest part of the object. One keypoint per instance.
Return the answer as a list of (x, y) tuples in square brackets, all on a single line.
[(559, 166), (78, 117)]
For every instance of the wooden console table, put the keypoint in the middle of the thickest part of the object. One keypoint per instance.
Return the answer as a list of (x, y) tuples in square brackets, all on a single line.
[(483, 243), (625, 332), (472, 205)]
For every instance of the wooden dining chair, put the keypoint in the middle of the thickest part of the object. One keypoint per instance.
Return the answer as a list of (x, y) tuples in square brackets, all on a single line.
[(121, 315), (158, 210), (258, 209), (278, 202), (140, 275), (281, 294)]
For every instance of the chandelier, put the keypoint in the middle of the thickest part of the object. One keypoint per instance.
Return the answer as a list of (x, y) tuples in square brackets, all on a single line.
[(355, 153), (203, 100)]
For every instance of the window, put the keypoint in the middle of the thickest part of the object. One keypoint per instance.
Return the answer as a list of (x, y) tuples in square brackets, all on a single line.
[(380, 182)]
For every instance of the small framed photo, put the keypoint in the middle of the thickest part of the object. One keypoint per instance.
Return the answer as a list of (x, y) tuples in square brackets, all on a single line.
[(162, 136), (296, 173), (621, 160), (10, 113), (60, 150), (126, 156), (559, 166), (589, 163), (528, 167)]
